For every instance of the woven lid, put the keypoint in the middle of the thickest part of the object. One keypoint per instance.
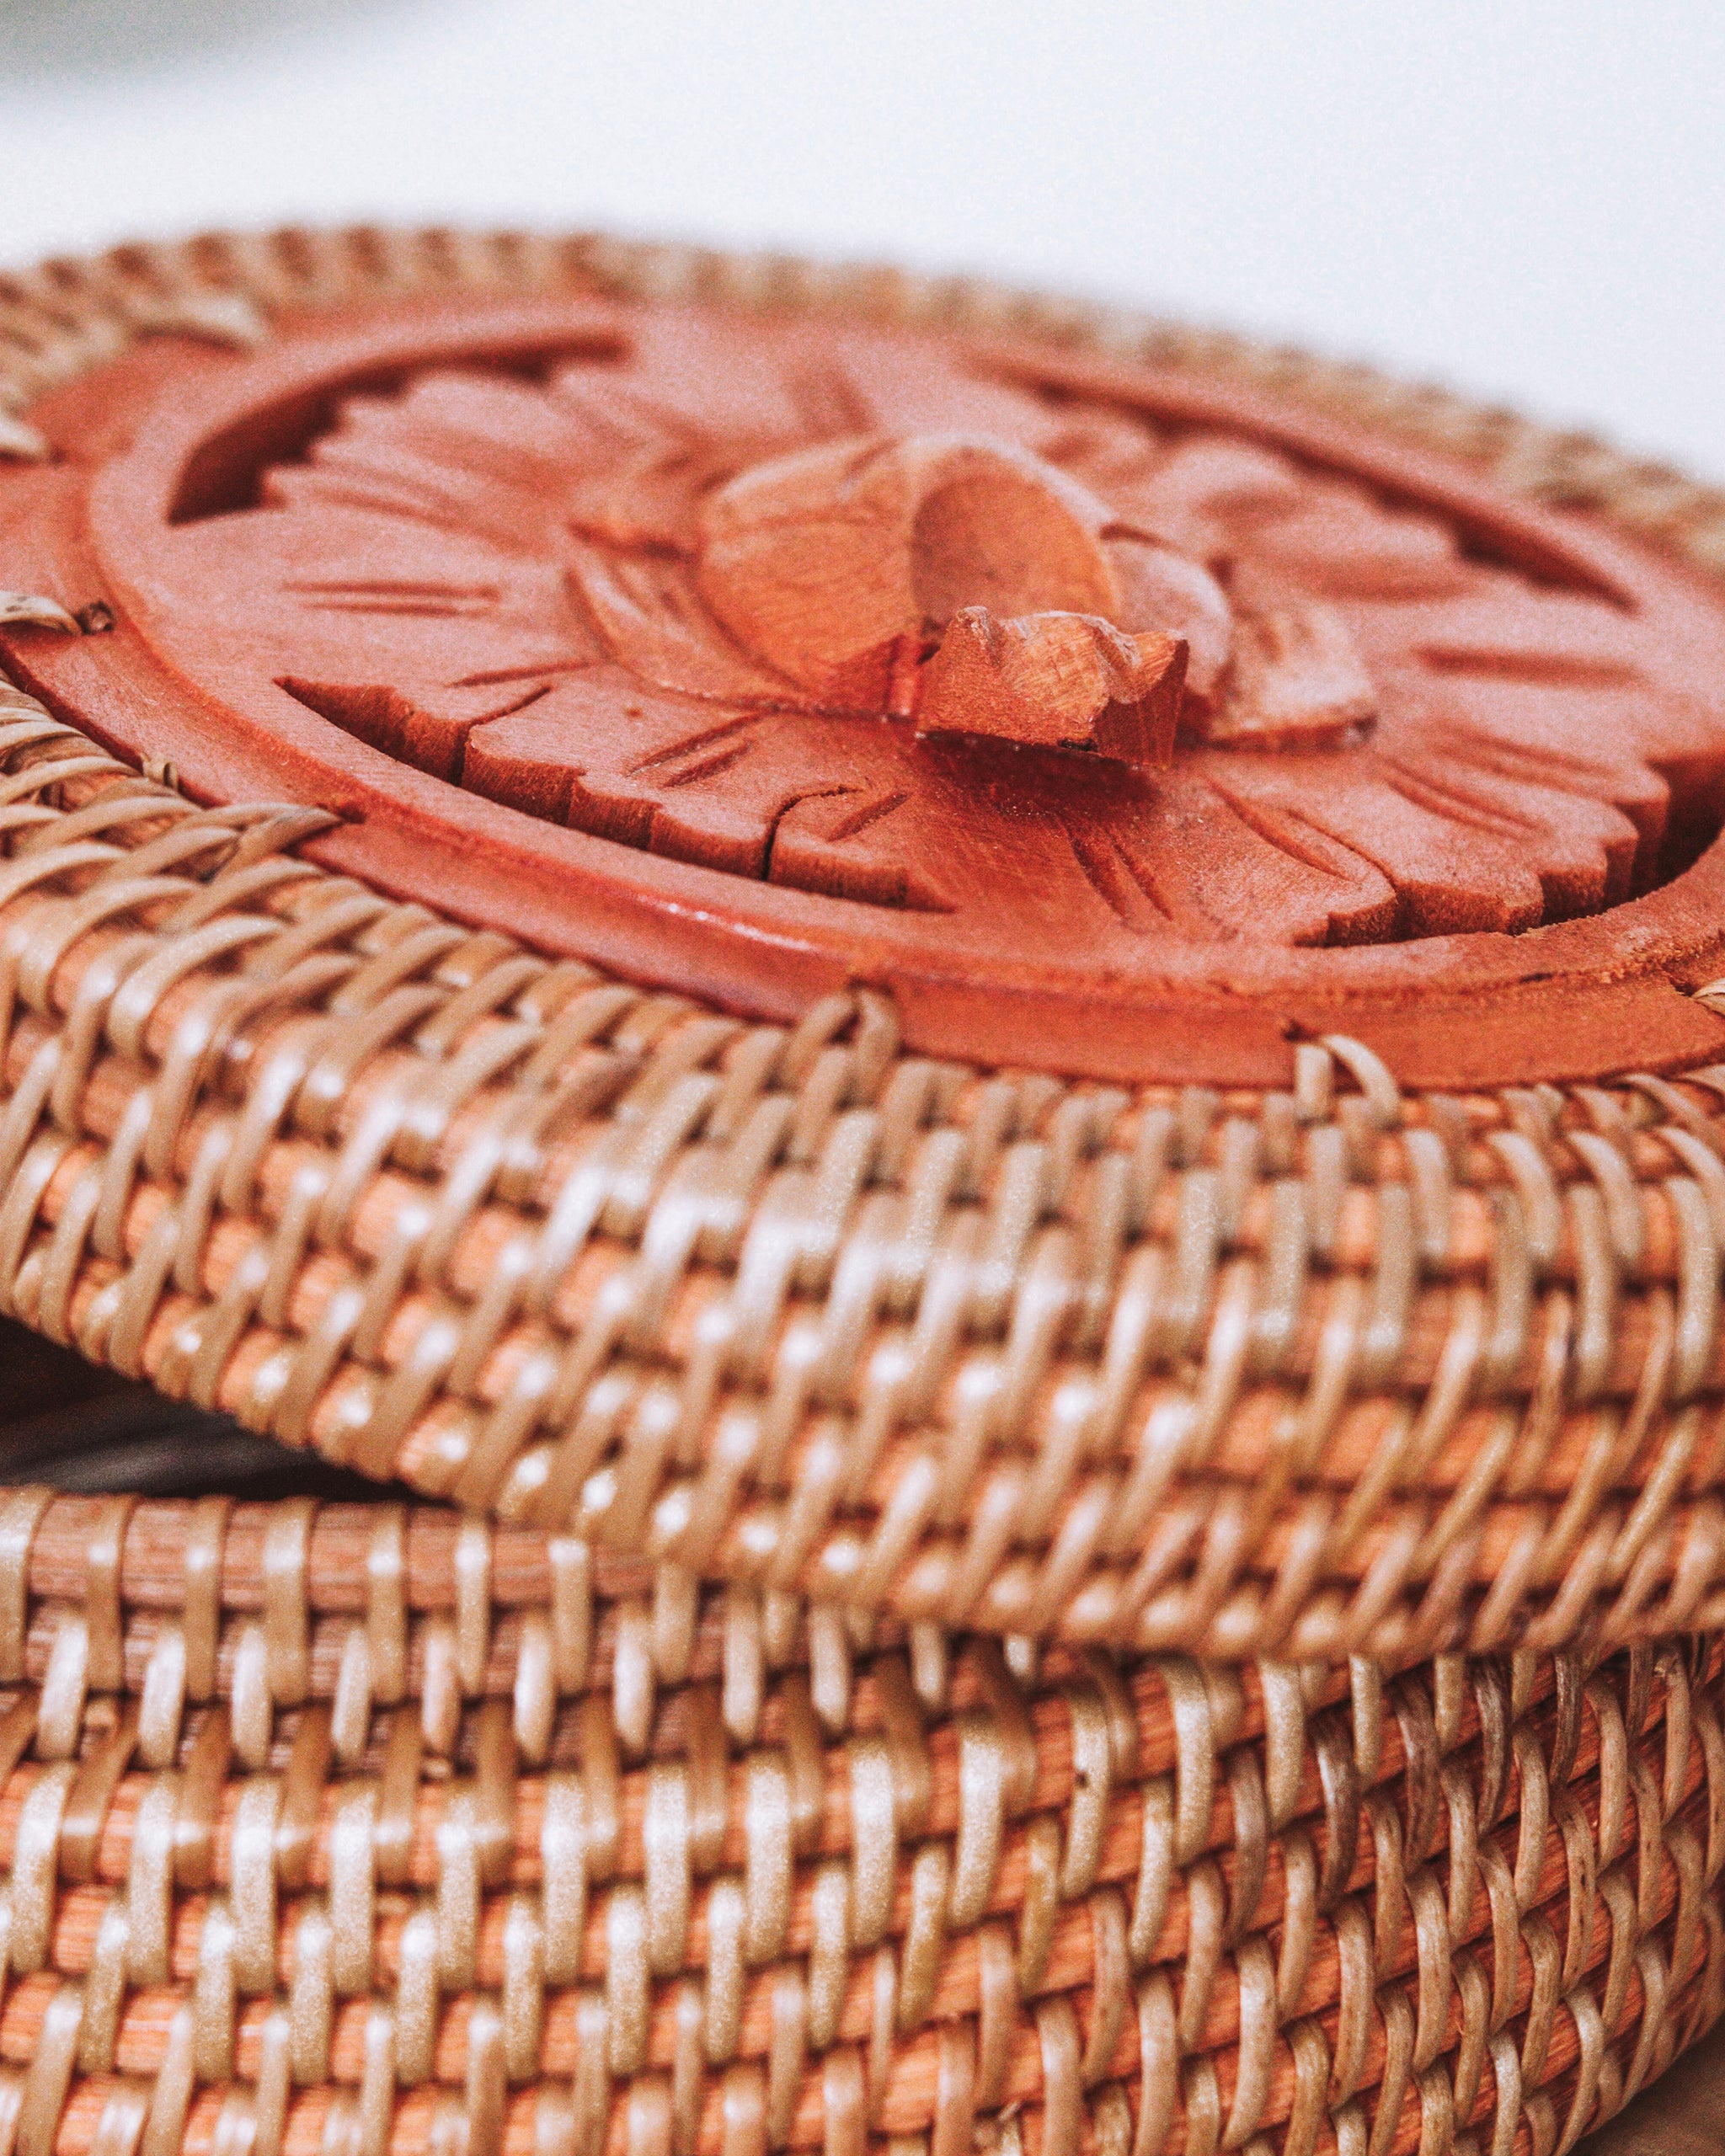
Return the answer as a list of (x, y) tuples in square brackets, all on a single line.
[(1108, 719), (818, 680)]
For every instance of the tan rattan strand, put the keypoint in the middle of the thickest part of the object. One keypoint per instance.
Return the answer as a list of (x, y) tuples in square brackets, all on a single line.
[(389, 1843), (797, 1742), (1334, 1371)]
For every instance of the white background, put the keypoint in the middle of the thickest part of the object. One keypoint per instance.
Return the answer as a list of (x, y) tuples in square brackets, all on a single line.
[(1524, 200)]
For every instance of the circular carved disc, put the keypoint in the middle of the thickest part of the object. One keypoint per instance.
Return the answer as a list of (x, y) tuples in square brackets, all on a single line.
[(1111, 721)]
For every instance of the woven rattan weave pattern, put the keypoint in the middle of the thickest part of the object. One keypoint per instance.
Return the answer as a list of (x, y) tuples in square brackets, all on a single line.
[(388, 1842), (812, 1754), (1337, 1370)]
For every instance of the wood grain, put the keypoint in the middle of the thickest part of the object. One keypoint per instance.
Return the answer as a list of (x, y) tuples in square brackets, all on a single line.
[(760, 656)]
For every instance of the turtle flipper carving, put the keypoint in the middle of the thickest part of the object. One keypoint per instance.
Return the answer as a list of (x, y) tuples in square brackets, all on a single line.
[(762, 793)]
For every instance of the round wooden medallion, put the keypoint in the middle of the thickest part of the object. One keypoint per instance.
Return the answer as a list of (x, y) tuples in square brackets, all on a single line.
[(1110, 720)]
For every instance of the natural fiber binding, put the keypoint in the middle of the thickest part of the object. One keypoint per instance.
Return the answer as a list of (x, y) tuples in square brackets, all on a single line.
[(1330, 1372), (388, 1824), (1336, 1371), (311, 1797)]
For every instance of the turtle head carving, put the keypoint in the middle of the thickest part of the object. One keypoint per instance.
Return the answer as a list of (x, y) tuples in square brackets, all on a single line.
[(823, 560), (845, 566)]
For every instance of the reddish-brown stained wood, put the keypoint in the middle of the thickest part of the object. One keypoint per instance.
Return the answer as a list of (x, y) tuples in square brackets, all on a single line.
[(1057, 680), (652, 634), (821, 562), (1297, 682)]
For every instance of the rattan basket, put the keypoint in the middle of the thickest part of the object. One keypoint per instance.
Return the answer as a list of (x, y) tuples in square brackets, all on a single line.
[(370, 1825), (984, 1608)]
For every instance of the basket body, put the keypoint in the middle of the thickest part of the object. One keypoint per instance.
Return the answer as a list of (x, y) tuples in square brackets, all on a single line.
[(369, 1827), (954, 1608)]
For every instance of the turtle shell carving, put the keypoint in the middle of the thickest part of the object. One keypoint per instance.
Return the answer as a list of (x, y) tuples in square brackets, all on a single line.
[(968, 660), (541, 586)]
